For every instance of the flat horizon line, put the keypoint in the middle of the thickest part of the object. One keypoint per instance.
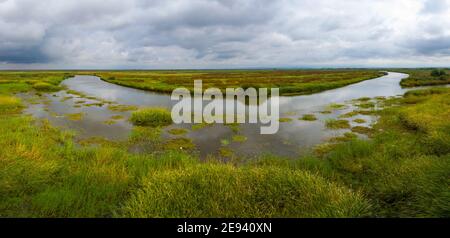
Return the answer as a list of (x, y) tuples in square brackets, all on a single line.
[(212, 69)]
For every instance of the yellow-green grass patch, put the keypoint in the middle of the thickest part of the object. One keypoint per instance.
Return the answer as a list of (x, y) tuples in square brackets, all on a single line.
[(177, 131), (334, 124), (308, 117), (239, 138), (285, 119), (153, 116)]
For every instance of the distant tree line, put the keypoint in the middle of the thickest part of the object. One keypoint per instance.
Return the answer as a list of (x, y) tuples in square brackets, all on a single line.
[(438, 73)]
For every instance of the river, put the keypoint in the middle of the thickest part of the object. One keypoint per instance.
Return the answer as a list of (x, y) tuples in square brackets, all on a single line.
[(293, 138)]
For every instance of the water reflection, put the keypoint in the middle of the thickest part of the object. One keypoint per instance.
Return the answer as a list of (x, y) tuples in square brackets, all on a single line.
[(292, 138)]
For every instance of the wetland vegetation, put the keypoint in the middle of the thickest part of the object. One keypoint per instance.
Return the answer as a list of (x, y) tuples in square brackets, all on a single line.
[(151, 117), (402, 170), (425, 77), (290, 82), (308, 117)]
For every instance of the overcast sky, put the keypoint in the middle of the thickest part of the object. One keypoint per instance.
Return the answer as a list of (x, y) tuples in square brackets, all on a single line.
[(223, 33)]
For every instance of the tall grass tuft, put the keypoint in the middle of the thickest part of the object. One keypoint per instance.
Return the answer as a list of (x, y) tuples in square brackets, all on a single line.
[(217, 190), (151, 117)]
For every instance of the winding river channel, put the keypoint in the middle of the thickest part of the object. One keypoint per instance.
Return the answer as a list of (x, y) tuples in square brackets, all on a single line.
[(294, 137)]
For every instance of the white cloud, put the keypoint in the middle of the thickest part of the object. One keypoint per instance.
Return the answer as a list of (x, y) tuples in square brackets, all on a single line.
[(221, 33)]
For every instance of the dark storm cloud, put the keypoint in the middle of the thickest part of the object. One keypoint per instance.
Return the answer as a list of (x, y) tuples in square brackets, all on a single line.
[(434, 46), (25, 55), (222, 33), (217, 13)]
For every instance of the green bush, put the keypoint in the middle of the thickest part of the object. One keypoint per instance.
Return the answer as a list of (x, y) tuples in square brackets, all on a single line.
[(151, 117), (437, 72)]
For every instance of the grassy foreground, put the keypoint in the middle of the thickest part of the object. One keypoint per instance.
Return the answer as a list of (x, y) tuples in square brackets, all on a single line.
[(44, 174), (403, 171), (290, 82)]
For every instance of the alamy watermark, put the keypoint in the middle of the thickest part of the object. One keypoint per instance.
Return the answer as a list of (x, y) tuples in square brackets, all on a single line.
[(234, 102)]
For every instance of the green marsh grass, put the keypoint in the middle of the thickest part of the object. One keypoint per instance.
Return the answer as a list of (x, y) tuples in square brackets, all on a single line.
[(96, 104), (151, 117), (285, 119), (224, 142), (122, 108), (110, 122), (348, 136), (348, 114), (228, 191), (423, 77), (359, 120), (335, 124), (235, 127), (117, 117), (366, 105), (308, 117), (363, 99), (179, 144), (336, 106), (326, 112), (75, 116), (290, 82), (199, 126), (177, 131), (46, 87), (239, 138), (362, 130), (9, 104), (401, 171), (366, 112), (226, 152)]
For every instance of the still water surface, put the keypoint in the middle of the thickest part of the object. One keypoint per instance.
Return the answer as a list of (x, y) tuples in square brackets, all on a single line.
[(293, 137)]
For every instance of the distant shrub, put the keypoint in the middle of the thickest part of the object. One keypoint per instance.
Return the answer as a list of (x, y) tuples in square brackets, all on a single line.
[(437, 73), (151, 117)]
